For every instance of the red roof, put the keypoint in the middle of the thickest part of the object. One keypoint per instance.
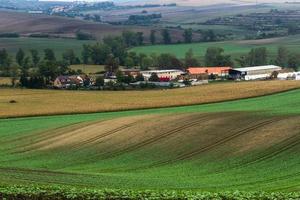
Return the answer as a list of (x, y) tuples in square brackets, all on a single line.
[(208, 70)]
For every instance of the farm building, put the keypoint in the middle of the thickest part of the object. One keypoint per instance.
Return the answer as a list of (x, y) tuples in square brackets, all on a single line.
[(131, 72), (164, 75), (218, 71), (253, 73)]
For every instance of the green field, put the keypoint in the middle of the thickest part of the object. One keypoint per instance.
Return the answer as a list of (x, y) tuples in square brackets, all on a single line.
[(234, 48), (57, 44), (248, 145)]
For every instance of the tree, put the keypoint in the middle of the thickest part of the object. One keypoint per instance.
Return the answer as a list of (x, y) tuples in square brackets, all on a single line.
[(214, 57), (209, 36), (146, 63), (188, 35), (49, 55), (129, 62), (49, 70), (292, 29), (190, 60), (169, 61), (35, 57), (166, 36), (70, 57), (140, 38), (153, 37), (86, 53), (258, 56), (20, 57), (14, 74), (99, 53), (294, 61), (99, 81), (282, 56), (112, 64), (154, 77), (5, 62), (117, 47)]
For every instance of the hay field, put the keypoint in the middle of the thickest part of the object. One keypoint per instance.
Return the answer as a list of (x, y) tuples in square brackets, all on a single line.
[(219, 147), (52, 102)]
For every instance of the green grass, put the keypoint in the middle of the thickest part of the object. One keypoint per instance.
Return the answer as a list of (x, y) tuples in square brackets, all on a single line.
[(57, 44), (210, 172), (234, 48)]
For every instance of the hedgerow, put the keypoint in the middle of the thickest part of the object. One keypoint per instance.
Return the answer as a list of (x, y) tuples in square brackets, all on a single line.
[(69, 193)]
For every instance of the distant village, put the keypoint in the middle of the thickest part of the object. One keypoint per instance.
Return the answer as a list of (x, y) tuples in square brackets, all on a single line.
[(174, 78)]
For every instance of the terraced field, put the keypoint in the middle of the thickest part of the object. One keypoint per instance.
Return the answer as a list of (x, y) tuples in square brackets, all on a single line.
[(251, 145)]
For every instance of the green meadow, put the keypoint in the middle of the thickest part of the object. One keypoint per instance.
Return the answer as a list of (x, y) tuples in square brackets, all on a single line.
[(58, 45), (234, 48)]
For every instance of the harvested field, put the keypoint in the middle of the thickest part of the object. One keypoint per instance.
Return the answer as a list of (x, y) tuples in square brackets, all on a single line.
[(51, 102)]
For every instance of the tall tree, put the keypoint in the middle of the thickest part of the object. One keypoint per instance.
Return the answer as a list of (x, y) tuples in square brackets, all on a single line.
[(153, 37), (140, 38), (165, 33), (5, 62), (188, 35), (282, 56), (190, 60), (294, 61), (214, 57), (70, 57), (258, 56), (86, 53), (49, 55), (112, 64), (20, 57), (35, 57), (99, 53)]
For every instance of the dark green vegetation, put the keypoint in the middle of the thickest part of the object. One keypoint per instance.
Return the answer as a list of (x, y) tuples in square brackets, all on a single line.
[(246, 145), (52, 193)]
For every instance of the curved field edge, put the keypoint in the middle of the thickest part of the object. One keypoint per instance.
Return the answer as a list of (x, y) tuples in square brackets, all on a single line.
[(50, 102), (69, 193)]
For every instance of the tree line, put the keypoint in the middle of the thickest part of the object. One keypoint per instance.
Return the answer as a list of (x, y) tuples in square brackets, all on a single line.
[(37, 70)]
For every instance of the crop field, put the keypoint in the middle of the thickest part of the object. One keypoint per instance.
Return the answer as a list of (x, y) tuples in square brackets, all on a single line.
[(234, 48), (59, 46), (51, 102), (249, 145)]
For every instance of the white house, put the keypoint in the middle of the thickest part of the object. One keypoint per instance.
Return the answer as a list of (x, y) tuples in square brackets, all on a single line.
[(165, 75)]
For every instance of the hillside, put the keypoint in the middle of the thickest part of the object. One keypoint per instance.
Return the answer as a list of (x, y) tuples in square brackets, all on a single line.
[(234, 48), (247, 145), (26, 24)]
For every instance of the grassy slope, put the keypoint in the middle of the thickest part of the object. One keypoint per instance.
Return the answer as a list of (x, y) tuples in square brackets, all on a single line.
[(58, 45), (274, 168), (235, 48)]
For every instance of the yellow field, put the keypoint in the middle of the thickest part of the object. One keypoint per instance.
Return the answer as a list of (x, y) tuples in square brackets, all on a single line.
[(5, 81), (88, 69), (51, 102)]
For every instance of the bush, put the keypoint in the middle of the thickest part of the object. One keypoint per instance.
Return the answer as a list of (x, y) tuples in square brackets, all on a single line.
[(9, 35)]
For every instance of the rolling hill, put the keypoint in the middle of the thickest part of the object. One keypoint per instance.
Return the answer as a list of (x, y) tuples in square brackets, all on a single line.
[(250, 145)]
